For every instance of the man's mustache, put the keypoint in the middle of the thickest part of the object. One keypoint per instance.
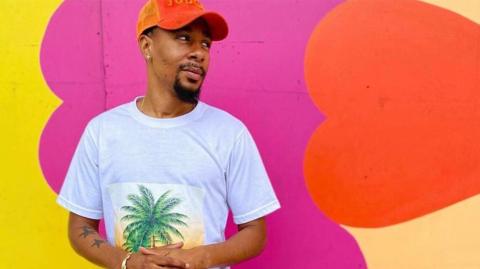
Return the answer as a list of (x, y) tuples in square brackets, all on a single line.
[(196, 68)]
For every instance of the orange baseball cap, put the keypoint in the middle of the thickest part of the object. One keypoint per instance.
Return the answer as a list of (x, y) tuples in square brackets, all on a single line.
[(175, 14)]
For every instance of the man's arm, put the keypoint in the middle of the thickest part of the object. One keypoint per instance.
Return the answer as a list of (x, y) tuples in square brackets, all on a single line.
[(247, 243), (85, 240)]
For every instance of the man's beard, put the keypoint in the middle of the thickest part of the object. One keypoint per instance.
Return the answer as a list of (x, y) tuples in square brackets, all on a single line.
[(184, 94)]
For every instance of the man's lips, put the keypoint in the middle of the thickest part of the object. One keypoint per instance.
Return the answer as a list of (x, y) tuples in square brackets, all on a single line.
[(193, 72), (193, 75)]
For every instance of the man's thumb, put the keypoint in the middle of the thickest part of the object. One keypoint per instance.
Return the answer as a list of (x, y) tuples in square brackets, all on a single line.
[(176, 245), (145, 251)]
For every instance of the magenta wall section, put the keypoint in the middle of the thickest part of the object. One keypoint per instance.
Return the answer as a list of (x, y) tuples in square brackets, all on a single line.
[(256, 74)]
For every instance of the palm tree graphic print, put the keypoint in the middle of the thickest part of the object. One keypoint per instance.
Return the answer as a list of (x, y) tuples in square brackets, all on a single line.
[(151, 221)]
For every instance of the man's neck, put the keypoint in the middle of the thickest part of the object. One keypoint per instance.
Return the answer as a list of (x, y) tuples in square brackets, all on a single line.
[(160, 103)]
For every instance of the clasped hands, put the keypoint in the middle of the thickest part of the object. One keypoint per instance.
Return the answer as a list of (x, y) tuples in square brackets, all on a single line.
[(169, 257)]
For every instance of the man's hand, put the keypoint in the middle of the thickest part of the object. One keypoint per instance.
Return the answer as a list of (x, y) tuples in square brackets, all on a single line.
[(195, 258), (162, 259), (247, 243)]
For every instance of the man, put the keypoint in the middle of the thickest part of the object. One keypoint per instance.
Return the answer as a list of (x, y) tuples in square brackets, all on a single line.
[(164, 170)]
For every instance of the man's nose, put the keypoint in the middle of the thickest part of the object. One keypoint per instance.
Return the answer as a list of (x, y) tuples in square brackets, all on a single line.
[(198, 52)]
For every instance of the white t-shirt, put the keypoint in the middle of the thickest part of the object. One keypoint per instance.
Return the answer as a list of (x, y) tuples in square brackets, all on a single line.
[(158, 181)]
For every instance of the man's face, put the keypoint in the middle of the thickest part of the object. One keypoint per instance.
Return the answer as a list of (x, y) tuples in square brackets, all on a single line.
[(180, 58)]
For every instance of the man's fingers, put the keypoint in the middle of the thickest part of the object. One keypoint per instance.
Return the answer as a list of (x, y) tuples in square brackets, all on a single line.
[(166, 261), (159, 257)]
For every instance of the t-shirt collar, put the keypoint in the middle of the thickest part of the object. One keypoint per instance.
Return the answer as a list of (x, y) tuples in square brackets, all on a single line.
[(193, 115)]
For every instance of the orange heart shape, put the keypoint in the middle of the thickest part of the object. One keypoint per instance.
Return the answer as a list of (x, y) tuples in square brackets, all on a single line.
[(399, 84)]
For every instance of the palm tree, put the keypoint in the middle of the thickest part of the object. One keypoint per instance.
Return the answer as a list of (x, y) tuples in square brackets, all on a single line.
[(151, 221)]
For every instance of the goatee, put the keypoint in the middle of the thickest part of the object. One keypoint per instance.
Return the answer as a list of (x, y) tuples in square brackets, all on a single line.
[(186, 95)]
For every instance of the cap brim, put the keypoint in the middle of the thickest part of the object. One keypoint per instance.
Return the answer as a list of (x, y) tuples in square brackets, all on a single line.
[(216, 23)]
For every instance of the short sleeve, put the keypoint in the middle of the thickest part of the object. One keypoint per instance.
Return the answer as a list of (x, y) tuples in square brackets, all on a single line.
[(81, 192), (249, 192)]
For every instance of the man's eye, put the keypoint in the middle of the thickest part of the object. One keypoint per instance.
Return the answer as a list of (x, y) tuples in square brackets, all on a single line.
[(206, 44), (183, 37)]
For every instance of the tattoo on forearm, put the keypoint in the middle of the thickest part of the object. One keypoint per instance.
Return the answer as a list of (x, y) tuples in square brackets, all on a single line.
[(86, 231), (97, 243)]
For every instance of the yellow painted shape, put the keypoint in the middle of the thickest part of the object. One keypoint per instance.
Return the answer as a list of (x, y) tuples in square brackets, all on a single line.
[(467, 8), (33, 229), (446, 239)]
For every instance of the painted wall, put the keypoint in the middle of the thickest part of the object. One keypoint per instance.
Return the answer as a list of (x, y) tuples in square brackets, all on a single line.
[(364, 112)]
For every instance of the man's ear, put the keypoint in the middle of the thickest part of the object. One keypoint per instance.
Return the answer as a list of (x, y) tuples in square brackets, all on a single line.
[(145, 45)]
